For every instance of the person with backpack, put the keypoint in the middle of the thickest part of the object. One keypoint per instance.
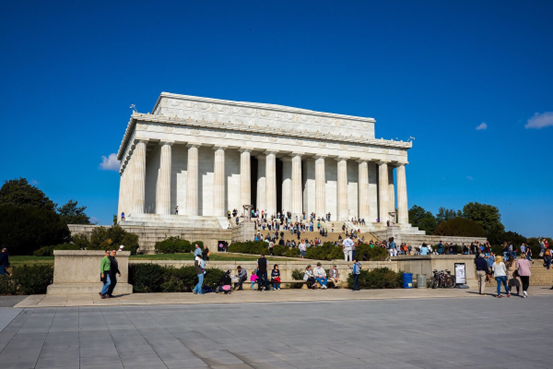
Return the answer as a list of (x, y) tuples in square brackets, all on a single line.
[(356, 271), (262, 264)]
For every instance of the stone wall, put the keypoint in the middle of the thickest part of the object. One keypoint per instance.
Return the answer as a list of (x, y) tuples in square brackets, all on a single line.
[(418, 239)]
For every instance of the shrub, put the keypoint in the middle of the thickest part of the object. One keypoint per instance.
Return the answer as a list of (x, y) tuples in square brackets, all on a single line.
[(33, 279), (49, 250), (378, 278), (292, 252), (461, 227), (173, 245), (297, 275), (366, 253), (249, 247), (280, 250), (8, 286), (157, 278)]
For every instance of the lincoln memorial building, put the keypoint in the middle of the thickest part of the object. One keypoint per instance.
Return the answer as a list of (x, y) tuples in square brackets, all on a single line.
[(208, 156)]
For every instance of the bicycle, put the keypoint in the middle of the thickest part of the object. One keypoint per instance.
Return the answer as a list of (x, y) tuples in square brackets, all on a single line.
[(442, 279)]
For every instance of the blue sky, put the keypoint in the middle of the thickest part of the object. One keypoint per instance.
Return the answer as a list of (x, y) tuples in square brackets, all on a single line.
[(435, 70)]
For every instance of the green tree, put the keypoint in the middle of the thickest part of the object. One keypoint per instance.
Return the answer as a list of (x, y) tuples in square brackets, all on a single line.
[(18, 192), (425, 220), (487, 216), (460, 227), (446, 214), (73, 214)]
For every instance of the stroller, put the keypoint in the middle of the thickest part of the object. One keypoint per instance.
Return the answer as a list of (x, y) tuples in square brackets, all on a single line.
[(224, 285)]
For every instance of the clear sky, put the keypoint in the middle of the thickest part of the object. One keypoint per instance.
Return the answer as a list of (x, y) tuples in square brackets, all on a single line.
[(472, 81)]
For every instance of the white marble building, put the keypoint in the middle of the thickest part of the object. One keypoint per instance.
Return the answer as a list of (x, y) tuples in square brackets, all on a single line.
[(207, 156)]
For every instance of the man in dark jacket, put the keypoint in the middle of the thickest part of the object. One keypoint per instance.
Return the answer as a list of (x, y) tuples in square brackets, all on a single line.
[(114, 270), (481, 270), (262, 273)]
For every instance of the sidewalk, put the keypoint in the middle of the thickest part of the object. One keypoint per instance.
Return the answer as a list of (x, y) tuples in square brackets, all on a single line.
[(247, 296)]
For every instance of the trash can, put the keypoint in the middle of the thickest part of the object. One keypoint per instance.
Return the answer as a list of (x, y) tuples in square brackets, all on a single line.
[(421, 280), (407, 280)]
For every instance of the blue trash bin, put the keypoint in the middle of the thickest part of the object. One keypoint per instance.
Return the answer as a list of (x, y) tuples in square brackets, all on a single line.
[(407, 280)]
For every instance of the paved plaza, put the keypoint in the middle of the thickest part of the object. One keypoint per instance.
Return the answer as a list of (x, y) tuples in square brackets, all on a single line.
[(482, 332)]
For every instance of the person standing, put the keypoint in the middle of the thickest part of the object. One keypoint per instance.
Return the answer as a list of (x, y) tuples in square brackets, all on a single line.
[(197, 250), (113, 271), (347, 248), (481, 270), (262, 273), (524, 272), (547, 259), (205, 253), (177, 210), (303, 248), (105, 267), (356, 271), (122, 215), (4, 262), (500, 275), (199, 265)]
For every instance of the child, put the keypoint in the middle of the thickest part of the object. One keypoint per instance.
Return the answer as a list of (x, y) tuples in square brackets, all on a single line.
[(253, 279), (275, 278)]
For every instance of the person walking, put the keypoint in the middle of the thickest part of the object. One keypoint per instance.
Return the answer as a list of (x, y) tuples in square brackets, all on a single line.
[(356, 271), (512, 275), (197, 250), (500, 275), (199, 265), (524, 272), (113, 272), (105, 267), (4, 262), (547, 258), (262, 264), (481, 270)]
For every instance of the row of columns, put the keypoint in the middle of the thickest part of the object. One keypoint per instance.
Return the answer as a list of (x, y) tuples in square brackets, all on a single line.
[(266, 185)]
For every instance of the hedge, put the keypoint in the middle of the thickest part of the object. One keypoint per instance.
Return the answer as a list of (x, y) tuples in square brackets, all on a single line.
[(27, 280), (176, 245), (157, 278), (49, 250), (325, 252), (378, 278)]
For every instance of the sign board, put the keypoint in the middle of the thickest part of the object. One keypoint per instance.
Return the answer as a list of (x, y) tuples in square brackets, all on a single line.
[(460, 273)]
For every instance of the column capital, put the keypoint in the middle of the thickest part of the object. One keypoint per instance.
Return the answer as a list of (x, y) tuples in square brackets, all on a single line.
[(343, 158), (219, 147), (402, 163), (381, 162), (268, 152), (245, 149), (193, 145), (361, 161), (294, 154), (141, 140), (169, 143), (320, 156)]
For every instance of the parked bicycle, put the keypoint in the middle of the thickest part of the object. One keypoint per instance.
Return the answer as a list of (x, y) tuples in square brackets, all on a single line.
[(442, 279)]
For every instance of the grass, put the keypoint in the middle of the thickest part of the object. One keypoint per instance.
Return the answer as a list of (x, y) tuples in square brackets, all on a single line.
[(21, 260)]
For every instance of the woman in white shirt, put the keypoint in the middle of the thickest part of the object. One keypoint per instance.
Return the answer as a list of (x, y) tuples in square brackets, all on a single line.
[(500, 275)]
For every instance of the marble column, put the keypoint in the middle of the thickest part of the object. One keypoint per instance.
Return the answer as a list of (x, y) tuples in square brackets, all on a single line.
[(402, 209), (364, 208), (219, 182), (245, 178), (261, 184), (391, 191), (297, 207), (320, 187), (192, 179), (139, 177), (270, 189), (383, 191), (286, 184), (163, 195), (342, 189)]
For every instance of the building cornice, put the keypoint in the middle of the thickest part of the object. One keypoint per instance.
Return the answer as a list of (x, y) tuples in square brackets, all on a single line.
[(150, 118)]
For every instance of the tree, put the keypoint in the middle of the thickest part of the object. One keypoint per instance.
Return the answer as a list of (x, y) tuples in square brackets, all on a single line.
[(28, 219), (487, 216), (446, 214), (425, 220), (18, 192), (26, 229), (460, 227), (73, 214)]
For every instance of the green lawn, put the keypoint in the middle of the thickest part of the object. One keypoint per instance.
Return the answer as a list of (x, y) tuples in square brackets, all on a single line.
[(20, 260)]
